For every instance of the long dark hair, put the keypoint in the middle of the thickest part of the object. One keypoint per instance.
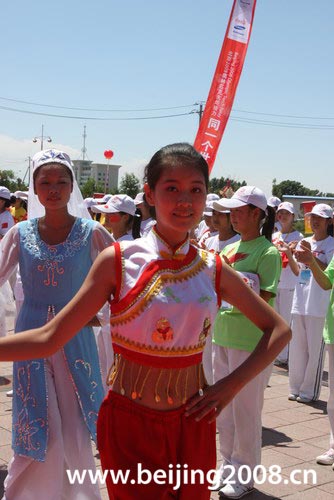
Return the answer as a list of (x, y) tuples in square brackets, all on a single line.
[(178, 154), (269, 223)]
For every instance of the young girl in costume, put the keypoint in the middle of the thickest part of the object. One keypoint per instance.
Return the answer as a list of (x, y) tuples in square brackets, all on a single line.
[(56, 396), (285, 241), (309, 309), (236, 338), (325, 279), (160, 414)]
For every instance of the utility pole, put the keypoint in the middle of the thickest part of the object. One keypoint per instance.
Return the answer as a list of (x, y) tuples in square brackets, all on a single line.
[(28, 170), (199, 111), (84, 150)]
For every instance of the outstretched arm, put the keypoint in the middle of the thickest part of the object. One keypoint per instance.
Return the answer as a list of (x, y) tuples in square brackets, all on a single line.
[(276, 334), (46, 340)]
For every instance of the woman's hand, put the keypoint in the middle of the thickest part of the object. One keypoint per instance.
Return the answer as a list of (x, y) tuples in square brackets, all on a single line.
[(215, 398), (304, 254)]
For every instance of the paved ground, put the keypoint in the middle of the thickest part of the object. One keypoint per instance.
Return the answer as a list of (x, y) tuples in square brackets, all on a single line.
[(293, 435)]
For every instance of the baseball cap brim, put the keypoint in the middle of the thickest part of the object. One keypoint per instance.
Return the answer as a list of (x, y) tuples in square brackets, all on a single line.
[(104, 209), (319, 215), (219, 206), (231, 203)]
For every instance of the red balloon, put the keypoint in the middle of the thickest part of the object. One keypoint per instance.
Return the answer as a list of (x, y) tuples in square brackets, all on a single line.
[(108, 154)]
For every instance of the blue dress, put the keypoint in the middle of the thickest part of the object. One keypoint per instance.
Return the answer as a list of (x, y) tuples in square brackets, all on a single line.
[(51, 275)]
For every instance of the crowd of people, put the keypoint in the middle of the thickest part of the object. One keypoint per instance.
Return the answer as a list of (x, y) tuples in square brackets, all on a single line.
[(142, 323)]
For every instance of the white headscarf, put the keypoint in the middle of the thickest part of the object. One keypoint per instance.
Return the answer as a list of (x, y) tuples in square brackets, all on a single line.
[(76, 205)]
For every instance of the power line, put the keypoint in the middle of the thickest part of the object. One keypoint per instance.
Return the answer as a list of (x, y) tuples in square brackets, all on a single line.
[(92, 117), (96, 109), (140, 110), (304, 117), (283, 124), (269, 123)]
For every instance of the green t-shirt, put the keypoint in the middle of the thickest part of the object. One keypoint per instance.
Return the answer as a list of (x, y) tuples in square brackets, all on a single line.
[(328, 332), (232, 329)]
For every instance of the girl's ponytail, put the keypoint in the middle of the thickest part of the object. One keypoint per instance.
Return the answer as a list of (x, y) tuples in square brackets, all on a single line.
[(269, 223)]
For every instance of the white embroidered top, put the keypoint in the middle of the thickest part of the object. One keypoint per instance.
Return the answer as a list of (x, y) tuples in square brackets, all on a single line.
[(165, 303)]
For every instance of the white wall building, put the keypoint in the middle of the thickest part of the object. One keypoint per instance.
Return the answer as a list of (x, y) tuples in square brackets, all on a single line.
[(102, 173), (298, 200)]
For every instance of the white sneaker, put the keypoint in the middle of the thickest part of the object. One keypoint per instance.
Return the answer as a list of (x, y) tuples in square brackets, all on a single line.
[(221, 475), (326, 458), (9, 394), (293, 397), (236, 490), (302, 399)]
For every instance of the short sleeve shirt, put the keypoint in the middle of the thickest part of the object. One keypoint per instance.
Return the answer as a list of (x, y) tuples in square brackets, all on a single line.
[(232, 329), (329, 324)]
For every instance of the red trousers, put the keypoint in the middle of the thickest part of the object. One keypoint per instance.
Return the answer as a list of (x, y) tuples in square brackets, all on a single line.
[(159, 448)]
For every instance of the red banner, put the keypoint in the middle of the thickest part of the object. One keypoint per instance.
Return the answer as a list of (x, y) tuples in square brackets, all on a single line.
[(225, 80)]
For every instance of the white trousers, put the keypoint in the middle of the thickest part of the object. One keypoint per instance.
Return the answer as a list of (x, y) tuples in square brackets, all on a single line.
[(306, 356), (330, 402), (69, 447), (239, 424), (283, 305)]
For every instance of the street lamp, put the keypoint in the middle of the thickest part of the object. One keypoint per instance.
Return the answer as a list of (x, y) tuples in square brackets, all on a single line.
[(42, 137)]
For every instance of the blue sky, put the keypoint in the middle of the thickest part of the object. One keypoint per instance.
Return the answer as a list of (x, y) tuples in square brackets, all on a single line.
[(134, 56)]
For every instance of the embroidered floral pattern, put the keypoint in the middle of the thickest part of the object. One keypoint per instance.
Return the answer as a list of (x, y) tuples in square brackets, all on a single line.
[(52, 256), (156, 350), (169, 293), (155, 285), (81, 364), (163, 332), (27, 429), (42, 268), (205, 330)]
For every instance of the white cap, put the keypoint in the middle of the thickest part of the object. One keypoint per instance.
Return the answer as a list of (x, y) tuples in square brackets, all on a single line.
[(322, 210), (212, 197), (117, 203), (51, 156), (104, 199), (286, 205), (23, 195), (208, 208), (247, 195), (273, 201), (139, 198), (4, 193), (220, 207), (89, 202)]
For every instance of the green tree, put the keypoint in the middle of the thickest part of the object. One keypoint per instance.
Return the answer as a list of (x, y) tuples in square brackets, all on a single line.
[(7, 179), (130, 185), (292, 188), (216, 185), (90, 187)]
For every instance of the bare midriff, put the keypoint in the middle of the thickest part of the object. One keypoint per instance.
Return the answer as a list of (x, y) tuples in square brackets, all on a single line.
[(157, 388)]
